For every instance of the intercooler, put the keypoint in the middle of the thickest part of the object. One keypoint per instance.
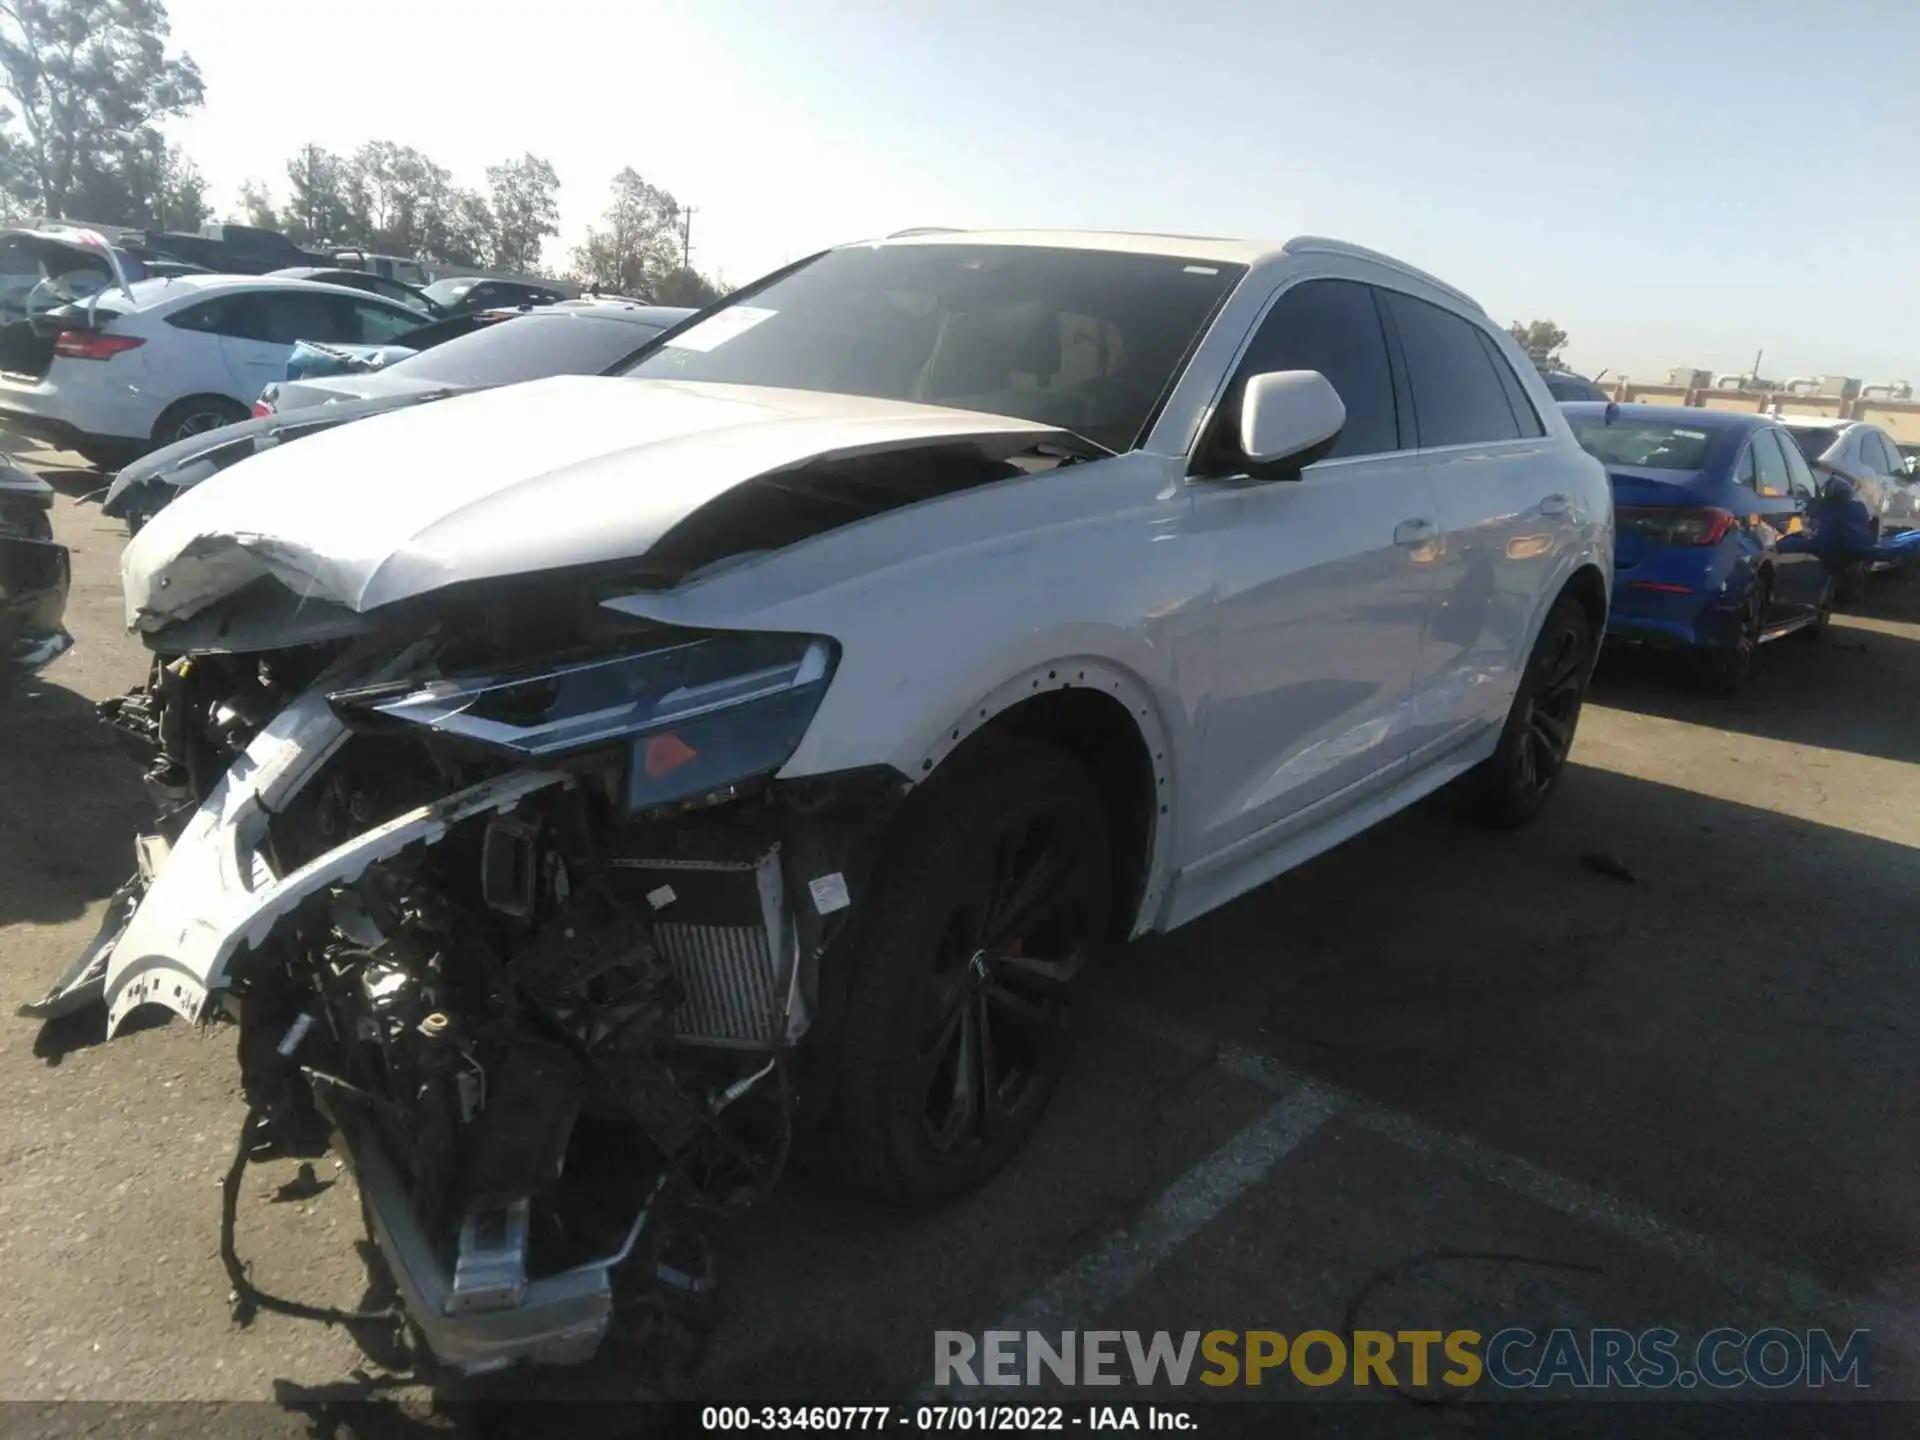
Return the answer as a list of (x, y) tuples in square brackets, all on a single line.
[(723, 927)]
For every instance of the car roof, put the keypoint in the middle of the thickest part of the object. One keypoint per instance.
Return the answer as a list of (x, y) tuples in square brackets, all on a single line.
[(307, 272), (1694, 418), (159, 290), (1815, 422), (1187, 247)]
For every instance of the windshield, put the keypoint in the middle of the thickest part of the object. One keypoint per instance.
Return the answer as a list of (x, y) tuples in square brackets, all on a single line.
[(448, 292), (1654, 446), (1814, 441), (526, 347), (1086, 340)]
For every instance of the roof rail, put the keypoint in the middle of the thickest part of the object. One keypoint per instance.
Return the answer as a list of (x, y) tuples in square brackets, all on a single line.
[(1321, 245), (925, 230)]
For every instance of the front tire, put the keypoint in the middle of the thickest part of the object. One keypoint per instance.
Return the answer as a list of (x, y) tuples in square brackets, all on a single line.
[(1513, 785), (958, 1025)]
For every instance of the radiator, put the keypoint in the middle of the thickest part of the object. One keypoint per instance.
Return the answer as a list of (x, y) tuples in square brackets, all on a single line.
[(723, 928)]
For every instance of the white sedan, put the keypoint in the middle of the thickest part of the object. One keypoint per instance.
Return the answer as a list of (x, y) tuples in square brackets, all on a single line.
[(132, 366)]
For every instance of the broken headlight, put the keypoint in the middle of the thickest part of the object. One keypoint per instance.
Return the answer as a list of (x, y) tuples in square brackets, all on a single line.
[(695, 717)]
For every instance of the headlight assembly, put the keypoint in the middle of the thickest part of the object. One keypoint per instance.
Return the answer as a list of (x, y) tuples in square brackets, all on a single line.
[(694, 717)]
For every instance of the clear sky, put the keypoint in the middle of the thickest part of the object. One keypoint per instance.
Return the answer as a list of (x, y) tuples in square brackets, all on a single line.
[(1678, 183)]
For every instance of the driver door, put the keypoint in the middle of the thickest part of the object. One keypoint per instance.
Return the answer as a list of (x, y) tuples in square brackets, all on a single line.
[(1322, 590)]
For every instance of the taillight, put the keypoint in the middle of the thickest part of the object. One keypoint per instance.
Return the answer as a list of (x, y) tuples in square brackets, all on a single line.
[(1673, 527), (265, 404), (92, 345)]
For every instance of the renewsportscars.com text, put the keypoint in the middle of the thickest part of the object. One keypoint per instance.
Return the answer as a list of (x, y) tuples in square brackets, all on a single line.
[(1512, 1359)]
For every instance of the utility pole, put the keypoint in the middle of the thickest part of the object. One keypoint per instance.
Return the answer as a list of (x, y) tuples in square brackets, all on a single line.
[(686, 238), (1755, 372)]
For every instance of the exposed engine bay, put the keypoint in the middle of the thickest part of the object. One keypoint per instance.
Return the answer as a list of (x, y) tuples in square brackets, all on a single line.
[(519, 939)]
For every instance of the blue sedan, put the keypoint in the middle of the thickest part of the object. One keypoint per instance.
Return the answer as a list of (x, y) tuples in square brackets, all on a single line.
[(1719, 521)]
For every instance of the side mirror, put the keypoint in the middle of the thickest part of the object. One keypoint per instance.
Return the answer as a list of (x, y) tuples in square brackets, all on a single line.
[(1289, 419)]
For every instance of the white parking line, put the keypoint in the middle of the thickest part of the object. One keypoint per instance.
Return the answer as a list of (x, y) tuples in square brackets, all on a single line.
[(1783, 1291), (1123, 1258)]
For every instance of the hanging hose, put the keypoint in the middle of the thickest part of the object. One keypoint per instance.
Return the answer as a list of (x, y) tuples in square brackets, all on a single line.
[(249, 1297)]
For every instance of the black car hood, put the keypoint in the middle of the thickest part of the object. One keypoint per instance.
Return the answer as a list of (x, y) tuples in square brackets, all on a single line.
[(156, 478)]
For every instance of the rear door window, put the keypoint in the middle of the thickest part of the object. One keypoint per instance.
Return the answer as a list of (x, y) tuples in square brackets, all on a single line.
[(269, 317), (1524, 415), (1457, 395), (1800, 479), (1880, 454), (1770, 480)]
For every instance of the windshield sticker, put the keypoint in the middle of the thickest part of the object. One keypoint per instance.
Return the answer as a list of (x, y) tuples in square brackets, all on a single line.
[(718, 329), (1199, 269)]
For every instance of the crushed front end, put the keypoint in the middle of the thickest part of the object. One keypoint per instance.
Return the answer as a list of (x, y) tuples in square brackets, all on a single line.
[(531, 940)]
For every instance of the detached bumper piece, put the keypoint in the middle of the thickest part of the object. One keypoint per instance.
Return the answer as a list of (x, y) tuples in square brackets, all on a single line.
[(481, 1314), (1900, 547), (34, 579)]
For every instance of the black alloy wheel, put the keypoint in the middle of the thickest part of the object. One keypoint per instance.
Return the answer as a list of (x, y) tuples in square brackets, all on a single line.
[(1513, 785), (1727, 667), (960, 1016)]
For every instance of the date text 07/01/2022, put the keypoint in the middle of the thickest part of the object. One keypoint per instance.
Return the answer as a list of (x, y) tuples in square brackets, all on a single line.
[(716, 1419)]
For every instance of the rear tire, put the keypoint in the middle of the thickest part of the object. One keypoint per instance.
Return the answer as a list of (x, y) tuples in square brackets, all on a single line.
[(995, 894), (1514, 784), (1851, 583), (1725, 669), (196, 415)]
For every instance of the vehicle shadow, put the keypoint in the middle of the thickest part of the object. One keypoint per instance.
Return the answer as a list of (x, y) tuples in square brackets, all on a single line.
[(63, 470), (1843, 693), (72, 803), (1740, 993)]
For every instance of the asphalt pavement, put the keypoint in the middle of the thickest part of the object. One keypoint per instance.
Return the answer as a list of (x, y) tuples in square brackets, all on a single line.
[(1650, 1061)]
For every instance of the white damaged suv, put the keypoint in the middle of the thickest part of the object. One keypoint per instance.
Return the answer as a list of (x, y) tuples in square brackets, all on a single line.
[(565, 786)]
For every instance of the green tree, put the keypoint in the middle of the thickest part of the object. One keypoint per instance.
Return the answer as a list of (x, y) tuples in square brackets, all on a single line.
[(523, 198), (686, 286), (88, 80), (316, 208), (256, 206), (637, 244), (1541, 339)]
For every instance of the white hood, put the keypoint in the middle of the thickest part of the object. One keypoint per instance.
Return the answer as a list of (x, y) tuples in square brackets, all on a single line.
[(566, 471)]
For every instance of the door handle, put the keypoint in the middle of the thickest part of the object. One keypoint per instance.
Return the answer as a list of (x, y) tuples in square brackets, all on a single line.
[(1413, 532), (1554, 505)]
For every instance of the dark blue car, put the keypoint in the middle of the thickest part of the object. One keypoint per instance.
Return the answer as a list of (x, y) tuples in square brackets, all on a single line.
[(1718, 545)]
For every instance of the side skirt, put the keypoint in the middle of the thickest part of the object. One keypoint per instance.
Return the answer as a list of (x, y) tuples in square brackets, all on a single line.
[(1213, 882)]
